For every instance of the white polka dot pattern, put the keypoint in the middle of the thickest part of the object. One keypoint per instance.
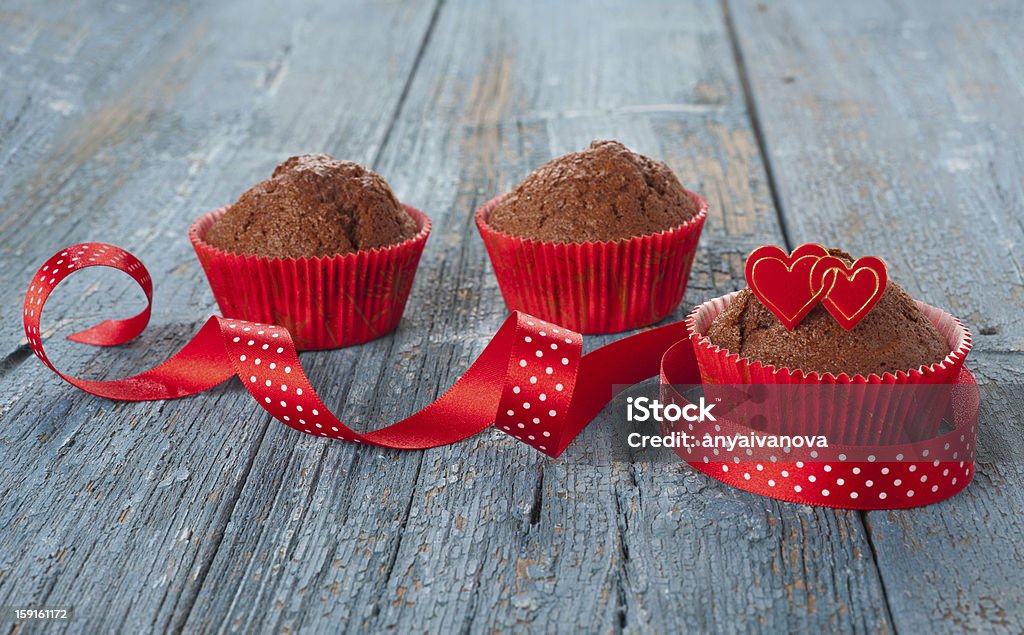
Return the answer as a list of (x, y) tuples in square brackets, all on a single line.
[(524, 382), (535, 399), (859, 477)]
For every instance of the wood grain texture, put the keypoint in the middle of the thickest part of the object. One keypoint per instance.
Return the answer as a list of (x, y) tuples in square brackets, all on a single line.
[(119, 508), (485, 535), (203, 515), (894, 129)]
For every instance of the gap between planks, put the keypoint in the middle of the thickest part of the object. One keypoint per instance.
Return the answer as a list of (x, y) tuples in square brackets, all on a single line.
[(755, 120), (186, 613)]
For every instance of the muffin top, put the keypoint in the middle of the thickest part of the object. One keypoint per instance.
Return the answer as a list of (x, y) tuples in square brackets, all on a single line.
[(894, 336), (313, 206), (603, 193)]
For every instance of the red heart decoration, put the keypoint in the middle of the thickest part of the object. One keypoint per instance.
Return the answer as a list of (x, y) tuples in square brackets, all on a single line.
[(782, 282), (850, 291)]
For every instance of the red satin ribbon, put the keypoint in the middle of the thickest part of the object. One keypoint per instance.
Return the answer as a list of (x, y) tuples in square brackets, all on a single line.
[(531, 381)]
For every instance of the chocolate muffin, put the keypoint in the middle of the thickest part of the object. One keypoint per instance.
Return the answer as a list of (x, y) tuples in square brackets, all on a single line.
[(894, 336), (603, 193), (313, 206)]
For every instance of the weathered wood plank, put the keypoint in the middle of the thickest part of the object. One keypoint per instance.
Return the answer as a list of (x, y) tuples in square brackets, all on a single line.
[(56, 65), (896, 126), (894, 129), (491, 536), (955, 566), (118, 508), (594, 542)]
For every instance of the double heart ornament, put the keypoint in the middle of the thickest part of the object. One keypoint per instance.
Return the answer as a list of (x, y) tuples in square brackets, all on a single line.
[(790, 285)]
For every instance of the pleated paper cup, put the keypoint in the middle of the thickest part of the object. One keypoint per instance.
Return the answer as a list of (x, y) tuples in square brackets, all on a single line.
[(326, 302), (906, 406), (594, 287)]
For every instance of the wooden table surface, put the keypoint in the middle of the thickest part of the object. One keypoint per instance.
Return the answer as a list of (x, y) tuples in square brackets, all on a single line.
[(888, 127)]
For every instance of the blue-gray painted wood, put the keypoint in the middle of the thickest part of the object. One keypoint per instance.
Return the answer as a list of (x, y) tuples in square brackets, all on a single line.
[(894, 129), (203, 515), (119, 509), (490, 536)]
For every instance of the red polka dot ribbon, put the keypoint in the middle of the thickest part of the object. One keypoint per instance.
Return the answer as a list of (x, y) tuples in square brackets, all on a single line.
[(888, 476), (531, 381)]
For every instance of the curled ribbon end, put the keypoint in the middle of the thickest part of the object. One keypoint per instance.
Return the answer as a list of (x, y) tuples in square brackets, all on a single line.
[(111, 332)]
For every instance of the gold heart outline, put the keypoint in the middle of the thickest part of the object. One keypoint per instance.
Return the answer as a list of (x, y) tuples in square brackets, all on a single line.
[(849, 278), (789, 268)]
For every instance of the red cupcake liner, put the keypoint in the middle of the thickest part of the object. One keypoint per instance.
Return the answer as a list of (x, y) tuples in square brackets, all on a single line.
[(594, 287), (327, 302), (845, 409)]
